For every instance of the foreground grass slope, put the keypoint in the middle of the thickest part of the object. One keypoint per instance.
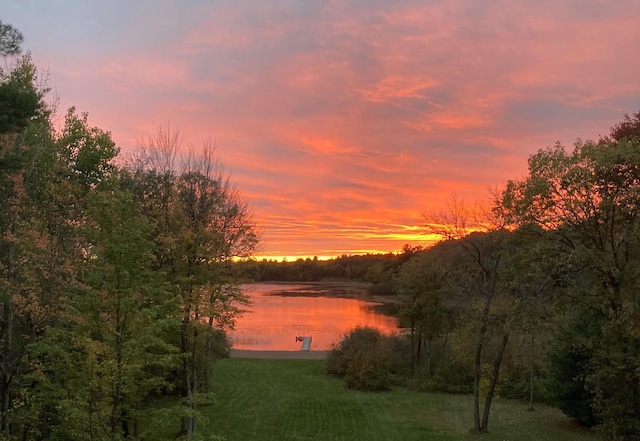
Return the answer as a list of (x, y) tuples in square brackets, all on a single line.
[(283, 400)]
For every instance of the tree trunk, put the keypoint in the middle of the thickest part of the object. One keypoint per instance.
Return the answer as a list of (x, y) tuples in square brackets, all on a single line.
[(413, 346), (117, 410), (190, 422), (419, 345), (194, 382), (126, 431), (476, 386), (443, 354), (477, 373), (5, 406), (186, 388), (208, 357), (7, 370), (492, 385), (427, 356), (186, 420), (533, 340)]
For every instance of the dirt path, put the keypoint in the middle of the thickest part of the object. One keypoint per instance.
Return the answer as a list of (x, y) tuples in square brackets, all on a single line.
[(286, 355)]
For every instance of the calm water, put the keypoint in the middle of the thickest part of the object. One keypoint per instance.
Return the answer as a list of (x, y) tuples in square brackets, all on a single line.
[(280, 313)]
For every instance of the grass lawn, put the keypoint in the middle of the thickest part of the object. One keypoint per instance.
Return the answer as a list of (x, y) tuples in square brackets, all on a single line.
[(284, 400)]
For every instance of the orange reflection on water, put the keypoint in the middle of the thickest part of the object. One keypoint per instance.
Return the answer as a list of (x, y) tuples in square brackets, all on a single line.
[(280, 313)]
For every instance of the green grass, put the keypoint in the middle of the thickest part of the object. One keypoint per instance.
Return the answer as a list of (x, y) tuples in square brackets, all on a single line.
[(284, 400)]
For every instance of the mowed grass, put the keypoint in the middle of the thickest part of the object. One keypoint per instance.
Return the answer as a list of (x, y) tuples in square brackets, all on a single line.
[(283, 400)]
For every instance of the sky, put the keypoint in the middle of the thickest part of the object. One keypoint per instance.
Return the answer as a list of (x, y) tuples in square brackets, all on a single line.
[(343, 122)]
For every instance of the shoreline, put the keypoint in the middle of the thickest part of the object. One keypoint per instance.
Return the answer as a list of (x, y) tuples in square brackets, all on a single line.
[(350, 289), (278, 355)]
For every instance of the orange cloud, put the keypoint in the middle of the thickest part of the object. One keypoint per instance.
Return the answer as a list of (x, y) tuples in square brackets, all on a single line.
[(340, 121), (391, 88)]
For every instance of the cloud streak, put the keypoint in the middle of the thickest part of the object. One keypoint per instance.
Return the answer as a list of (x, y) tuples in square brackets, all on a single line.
[(342, 121)]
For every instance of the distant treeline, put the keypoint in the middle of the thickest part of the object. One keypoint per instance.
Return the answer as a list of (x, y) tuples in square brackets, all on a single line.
[(379, 270)]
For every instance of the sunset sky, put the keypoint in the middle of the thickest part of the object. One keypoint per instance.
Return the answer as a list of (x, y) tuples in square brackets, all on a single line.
[(343, 121)]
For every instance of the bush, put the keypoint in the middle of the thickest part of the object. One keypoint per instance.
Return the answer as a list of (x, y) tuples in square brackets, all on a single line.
[(364, 358), (455, 377), (382, 288), (570, 365)]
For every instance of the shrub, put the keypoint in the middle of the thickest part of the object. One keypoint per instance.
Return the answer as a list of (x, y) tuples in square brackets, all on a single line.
[(455, 377), (382, 288), (570, 365), (364, 358)]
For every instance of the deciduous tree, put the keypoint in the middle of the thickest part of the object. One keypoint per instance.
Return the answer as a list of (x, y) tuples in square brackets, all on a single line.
[(202, 222), (588, 199), (489, 303), (10, 40), (424, 288)]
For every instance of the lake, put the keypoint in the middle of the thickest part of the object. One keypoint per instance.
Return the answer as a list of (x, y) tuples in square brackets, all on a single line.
[(280, 312)]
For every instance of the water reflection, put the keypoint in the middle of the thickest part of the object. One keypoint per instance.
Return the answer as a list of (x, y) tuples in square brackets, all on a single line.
[(280, 313)]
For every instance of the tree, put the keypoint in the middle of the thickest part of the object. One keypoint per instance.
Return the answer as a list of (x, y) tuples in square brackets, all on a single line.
[(588, 200), (21, 98), (534, 272), (10, 40), (627, 129), (43, 200), (423, 286), (202, 223), (34, 244), (490, 303), (100, 266), (571, 364), (125, 307)]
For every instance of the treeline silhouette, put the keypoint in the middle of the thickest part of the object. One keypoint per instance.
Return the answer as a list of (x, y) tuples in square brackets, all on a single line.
[(379, 270)]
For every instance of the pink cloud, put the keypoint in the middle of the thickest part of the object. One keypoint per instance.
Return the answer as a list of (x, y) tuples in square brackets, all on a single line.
[(340, 122)]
